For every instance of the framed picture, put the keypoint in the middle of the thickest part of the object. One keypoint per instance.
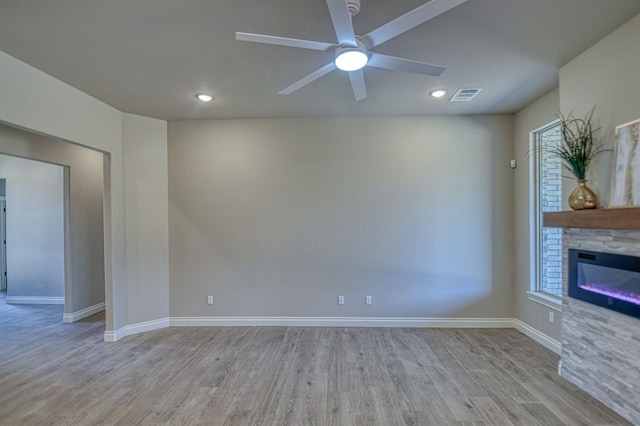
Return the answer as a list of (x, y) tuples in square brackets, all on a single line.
[(625, 184)]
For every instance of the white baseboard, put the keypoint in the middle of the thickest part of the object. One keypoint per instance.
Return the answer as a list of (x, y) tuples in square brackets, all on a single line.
[(551, 344), (343, 322), (35, 300), (546, 341), (86, 312), (113, 336), (141, 327)]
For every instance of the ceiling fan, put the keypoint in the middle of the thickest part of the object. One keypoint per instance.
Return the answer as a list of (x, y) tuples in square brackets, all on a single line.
[(352, 52)]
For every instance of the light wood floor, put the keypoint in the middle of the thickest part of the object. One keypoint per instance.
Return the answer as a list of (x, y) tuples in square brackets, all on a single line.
[(54, 373)]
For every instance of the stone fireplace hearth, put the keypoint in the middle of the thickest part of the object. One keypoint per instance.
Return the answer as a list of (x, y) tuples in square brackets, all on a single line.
[(600, 347)]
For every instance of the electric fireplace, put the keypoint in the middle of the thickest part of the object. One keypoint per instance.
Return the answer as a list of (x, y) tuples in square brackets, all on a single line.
[(605, 279)]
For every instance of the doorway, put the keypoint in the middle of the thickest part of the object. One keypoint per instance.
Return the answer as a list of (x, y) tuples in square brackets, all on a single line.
[(33, 231), (85, 194)]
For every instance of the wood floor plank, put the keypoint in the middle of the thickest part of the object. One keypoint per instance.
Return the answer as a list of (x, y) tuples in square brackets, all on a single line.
[(459, 375), (492, 414), (500, 395), (64, 374), (557, 406), (502, 378), (542, 414), (459, 403)]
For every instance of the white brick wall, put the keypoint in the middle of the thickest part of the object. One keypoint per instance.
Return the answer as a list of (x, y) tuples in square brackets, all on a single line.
[(551, 201)]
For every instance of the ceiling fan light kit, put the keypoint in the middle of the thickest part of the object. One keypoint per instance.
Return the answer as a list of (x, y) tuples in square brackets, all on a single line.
[(353, 53), (351, 58)]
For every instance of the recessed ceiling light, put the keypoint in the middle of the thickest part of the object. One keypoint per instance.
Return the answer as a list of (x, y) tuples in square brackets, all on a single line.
[(438, 93), (204, 97)]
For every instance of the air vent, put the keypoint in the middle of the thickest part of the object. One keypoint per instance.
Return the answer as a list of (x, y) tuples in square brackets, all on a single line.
[(464, 95)]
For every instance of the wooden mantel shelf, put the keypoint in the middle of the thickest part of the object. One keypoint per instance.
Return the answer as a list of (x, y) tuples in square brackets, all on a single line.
[(614, 218)]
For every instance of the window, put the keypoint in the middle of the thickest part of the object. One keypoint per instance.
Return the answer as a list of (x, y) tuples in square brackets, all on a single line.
[(547, 190)]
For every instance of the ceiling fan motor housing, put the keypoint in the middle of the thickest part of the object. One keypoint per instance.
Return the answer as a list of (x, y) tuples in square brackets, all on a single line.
[(354, 7)]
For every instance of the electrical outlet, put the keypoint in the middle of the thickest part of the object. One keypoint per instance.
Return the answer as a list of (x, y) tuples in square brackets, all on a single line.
[(209, 300), (552, 317), (340, 300), (367, 300)]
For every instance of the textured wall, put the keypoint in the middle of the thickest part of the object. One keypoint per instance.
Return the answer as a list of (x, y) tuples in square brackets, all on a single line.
[(601, 348)]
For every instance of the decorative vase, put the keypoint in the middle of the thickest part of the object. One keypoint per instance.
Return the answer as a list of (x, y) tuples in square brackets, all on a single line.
[(582, 197)]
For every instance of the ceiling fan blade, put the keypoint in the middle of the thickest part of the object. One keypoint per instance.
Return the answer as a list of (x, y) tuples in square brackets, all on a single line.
[(357, 84), (342, 24), (400, 64), (283, 41), (308, 79), (409, 20)]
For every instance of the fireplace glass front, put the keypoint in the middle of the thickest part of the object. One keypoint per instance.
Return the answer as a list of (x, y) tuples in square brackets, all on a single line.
[(605, 279)]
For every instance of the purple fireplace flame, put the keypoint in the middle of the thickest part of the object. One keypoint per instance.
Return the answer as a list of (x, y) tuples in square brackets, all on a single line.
[(615, 293)]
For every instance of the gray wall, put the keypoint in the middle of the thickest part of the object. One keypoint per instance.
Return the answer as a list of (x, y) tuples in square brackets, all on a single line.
[(605, 76), (535, 115), (3, 187), (35, 228), (279, 217), (144, 150), (85, 284)]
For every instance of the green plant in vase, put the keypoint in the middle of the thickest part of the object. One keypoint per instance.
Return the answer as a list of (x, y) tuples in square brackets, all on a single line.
[(577, 149)]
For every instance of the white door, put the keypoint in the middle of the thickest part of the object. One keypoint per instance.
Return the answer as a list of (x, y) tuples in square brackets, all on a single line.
[(3, 245)]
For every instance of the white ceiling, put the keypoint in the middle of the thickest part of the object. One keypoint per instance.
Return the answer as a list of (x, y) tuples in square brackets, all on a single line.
[(150, 57)]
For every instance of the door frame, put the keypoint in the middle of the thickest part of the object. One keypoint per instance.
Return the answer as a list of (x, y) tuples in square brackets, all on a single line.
[(3, 243)]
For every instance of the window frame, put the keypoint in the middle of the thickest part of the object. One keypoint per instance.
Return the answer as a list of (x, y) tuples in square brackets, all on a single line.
[(535, 293)]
